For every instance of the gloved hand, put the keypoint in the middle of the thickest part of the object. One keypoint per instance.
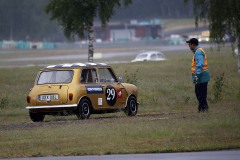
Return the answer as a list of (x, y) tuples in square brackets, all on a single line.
[(195, 80)]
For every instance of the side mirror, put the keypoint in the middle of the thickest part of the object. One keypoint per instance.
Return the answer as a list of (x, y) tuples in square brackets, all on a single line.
[(120, 79)]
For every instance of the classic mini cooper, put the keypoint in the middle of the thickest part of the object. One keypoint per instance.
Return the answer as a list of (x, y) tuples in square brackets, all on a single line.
[(81, 89)]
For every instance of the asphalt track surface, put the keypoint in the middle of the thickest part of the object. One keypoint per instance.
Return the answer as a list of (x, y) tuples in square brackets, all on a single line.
[(108, 55), (206, 155), (27, 61)]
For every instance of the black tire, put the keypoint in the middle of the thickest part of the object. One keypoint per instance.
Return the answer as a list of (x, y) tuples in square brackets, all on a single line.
[(132, 106), (36, 117), (83, 109)]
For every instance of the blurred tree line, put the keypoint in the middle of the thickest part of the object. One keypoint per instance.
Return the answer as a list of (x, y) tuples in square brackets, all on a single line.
[(146, 9), (26, 19)]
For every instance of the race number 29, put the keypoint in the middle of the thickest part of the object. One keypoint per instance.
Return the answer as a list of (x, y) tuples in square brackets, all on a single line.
[(111, 95)]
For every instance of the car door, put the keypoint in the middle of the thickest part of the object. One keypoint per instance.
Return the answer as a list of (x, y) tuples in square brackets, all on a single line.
[(153, 57), (114, 94), (94, 90)]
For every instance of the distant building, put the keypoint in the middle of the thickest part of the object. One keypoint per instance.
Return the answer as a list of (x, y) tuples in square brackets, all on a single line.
[(132, 31), (26, 45)]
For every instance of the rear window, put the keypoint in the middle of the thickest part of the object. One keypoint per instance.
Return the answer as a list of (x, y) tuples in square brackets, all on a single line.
[(50, 77)]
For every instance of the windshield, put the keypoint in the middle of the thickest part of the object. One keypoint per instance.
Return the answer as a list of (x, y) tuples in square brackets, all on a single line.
[(50, 77), (141, 56)]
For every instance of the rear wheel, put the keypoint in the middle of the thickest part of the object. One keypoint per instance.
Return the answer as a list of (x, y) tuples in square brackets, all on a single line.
[(36, 117), (132, 106), (83, 109)]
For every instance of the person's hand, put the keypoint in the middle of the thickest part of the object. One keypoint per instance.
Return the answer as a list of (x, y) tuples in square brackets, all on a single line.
[(195, 80)]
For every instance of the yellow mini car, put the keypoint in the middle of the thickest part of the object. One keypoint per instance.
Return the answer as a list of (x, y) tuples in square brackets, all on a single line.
[(81, 89)]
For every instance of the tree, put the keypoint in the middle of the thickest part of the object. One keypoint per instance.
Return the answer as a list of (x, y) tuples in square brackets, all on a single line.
[(25, 21), (77, 16), (223, 17)]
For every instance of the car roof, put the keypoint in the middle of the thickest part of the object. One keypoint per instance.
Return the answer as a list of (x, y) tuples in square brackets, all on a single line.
[(75, 65), (150, 52)]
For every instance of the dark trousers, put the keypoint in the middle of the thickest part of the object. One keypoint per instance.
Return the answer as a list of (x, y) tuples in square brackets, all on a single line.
[(201, 94)]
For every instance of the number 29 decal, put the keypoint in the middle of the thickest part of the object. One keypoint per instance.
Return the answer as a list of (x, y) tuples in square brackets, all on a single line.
[(111, 95)]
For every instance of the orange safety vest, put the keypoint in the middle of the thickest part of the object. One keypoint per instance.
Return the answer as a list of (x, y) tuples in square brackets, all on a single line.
[(205, 64)]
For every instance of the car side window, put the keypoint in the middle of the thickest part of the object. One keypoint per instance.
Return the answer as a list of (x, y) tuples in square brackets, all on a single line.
[(88, 76), (153, 56), (95, 78), (84, 76), (106, 75)]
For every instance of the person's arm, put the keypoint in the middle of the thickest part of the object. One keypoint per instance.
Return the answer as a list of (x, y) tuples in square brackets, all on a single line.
[(199, 58)]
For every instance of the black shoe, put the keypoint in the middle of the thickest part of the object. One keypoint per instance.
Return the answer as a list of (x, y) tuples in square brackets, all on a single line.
[(205, 108), (199, 109)]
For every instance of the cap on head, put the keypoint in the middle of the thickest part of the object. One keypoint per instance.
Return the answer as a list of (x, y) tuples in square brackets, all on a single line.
[(193, 41)]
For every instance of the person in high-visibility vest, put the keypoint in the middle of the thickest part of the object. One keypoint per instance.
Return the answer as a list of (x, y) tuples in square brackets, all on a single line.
[(200, 73)]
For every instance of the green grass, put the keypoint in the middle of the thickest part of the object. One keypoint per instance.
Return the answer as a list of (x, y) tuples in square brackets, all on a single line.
[(167, 121)]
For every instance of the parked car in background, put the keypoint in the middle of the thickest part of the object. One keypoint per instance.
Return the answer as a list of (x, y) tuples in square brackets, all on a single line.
[(203, 39), (149, 56), (81, 89)]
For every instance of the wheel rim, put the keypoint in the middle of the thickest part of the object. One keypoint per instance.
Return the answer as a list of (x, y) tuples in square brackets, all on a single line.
[(85, 108), (133, 106)]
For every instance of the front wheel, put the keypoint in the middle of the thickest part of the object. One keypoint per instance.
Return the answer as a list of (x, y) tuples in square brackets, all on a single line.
[(132, 107), (36, 117), (83, 109)]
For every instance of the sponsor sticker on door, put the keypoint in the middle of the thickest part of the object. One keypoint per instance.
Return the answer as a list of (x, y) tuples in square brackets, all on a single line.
[(94, 89)]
